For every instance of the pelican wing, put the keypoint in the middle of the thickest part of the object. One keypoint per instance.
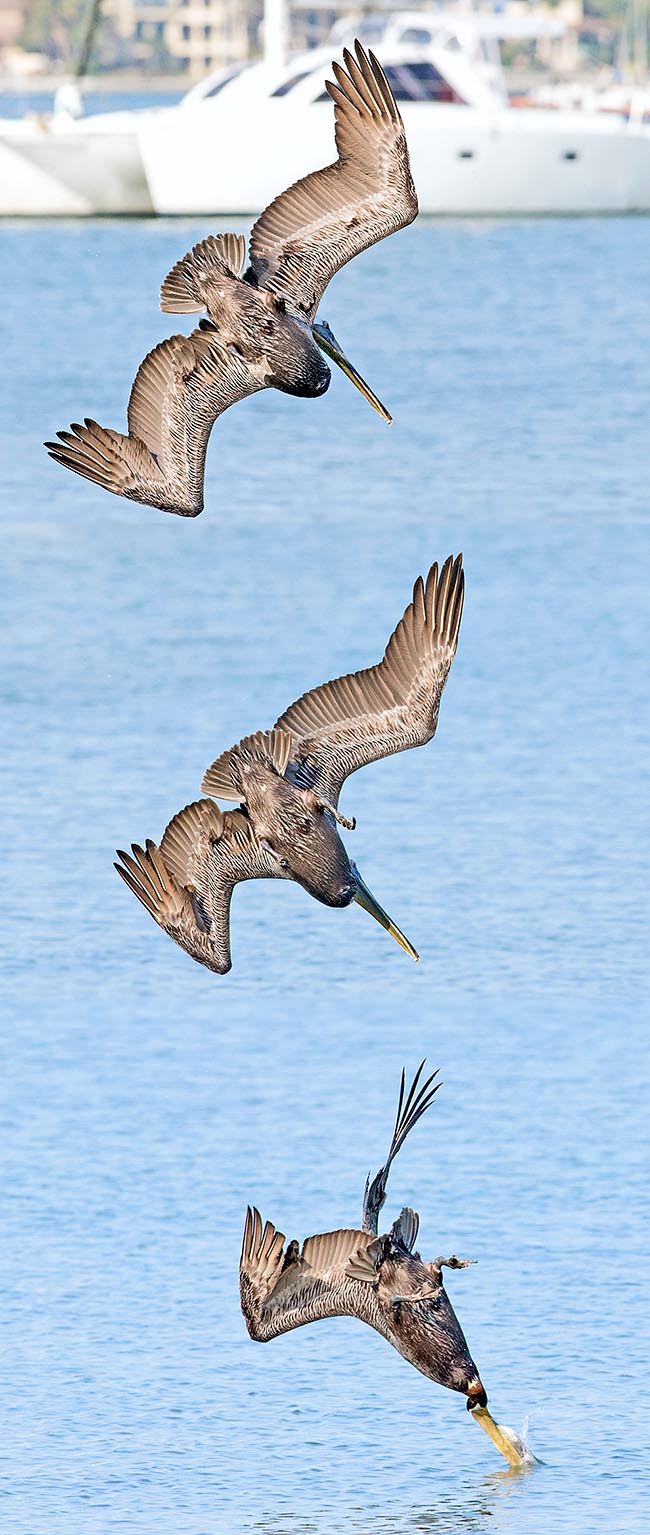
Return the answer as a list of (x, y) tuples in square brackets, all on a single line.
[(178, 392), (282, 1289), (321, 222), (343, 725), (186, 884)]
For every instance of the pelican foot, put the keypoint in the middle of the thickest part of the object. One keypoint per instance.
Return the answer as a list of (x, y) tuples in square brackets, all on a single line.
[(451, 1263), (341, 820)]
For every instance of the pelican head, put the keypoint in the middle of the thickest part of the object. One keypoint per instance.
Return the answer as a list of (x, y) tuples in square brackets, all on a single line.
[(328, 343), (428, 1324), (298, 829)]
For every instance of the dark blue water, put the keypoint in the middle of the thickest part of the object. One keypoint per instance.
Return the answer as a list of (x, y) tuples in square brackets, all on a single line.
[(147, 1101)]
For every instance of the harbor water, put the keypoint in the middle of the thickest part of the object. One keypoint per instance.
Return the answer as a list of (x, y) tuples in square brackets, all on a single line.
[(145, 1101)]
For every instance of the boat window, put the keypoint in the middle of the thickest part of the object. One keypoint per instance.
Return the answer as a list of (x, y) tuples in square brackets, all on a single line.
[(401, 82), (225, 80), (420, 81), (416, 35), (288, 85), (371, 29)]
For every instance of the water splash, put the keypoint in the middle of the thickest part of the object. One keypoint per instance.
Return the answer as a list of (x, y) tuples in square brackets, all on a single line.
[(509, 1444)]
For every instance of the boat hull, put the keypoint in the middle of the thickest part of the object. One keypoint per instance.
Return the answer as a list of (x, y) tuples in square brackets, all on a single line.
[(205, 159), (87, 167)]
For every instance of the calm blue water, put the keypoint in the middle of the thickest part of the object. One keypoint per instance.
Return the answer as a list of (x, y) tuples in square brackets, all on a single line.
[(145, 1102), (18, 102)]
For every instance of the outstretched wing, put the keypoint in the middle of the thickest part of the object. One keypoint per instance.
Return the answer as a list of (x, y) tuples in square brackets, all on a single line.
[(186, 884), (282, 1289), (178, 392), (316, 226), (211, 265), (411, 1106), (344, 725)]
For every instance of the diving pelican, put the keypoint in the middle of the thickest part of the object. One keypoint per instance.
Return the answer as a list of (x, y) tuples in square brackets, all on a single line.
[(261, 331), (381, 1280), (288, 781)]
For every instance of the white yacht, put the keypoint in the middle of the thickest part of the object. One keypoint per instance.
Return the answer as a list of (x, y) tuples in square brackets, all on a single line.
[(66, 163), (241, 135)]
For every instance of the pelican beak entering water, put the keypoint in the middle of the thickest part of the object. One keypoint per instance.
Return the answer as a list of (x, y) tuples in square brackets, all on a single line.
[(364, 898), (328, 343), (505, 1440)]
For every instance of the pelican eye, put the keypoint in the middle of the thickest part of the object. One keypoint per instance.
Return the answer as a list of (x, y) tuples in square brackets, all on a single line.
[(307, 824)]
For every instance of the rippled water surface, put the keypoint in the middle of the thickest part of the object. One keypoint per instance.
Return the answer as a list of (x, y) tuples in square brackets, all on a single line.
[(147, 1101)]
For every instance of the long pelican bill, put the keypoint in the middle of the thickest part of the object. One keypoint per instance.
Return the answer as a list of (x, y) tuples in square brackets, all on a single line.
[(364, 897), (505, 1440), (329, 344)]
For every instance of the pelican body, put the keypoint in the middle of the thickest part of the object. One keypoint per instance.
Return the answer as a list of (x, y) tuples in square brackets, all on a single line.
[(259, 329), (286, 783), (380, 1279)]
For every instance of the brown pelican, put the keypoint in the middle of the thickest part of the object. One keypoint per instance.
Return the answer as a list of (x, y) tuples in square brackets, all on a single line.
[(381, 1280), (262, 330), (288, 781)]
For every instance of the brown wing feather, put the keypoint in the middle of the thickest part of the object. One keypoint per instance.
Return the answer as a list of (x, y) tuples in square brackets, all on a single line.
[(282, 1289), (179, 390), (168, 903), (188, 841), (270, 747), (186, 884), (188, 286), (313, 228), (357, 719), (330, 1250)]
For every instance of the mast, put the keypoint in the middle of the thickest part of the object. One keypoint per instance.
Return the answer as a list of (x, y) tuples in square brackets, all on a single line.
[(641, 42), (94, 16), (276, 33)]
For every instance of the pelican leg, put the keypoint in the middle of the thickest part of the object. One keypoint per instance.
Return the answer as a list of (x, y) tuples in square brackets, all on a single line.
[(428, 1289), (424, 1293), (341, 820), (450, 1263)]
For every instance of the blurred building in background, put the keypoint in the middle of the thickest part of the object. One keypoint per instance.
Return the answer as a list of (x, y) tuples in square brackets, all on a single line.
[(190, 38), (13, 57), (196, 35)]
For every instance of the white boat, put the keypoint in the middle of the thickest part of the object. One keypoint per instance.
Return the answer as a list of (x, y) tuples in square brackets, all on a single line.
[(242, 135), (66, 164), (630, 99)]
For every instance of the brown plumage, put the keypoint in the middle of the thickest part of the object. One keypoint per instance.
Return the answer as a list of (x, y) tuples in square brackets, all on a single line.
[(288, 780), (261, 332), (381, 1280)]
